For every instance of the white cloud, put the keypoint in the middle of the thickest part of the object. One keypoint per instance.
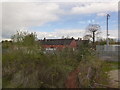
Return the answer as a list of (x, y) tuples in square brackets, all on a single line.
[(60, 0), (91, 8), (18, 15), (0, 21), (101, 14), (113, 33), (62, 32), (74, 33)]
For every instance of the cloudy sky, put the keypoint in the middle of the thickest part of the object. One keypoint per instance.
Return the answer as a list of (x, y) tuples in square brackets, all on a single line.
[(57, 19)]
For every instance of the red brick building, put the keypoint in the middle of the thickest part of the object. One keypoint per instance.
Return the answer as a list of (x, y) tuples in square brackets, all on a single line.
[(55, 44)]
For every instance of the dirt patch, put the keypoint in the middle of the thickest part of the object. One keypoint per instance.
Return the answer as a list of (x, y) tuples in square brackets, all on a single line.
[(114, 78), (72, 79)]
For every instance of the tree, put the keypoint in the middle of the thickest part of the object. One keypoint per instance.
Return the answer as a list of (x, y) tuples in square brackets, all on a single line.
[(63, 37), (6, 44), (24, 38), (87, 37), (93, 29), (103, 41)]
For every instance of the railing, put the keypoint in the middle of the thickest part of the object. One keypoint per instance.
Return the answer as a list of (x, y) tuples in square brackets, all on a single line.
[(110, 53)]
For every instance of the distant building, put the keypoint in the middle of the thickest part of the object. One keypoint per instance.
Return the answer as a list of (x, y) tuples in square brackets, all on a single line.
[(59, 44)]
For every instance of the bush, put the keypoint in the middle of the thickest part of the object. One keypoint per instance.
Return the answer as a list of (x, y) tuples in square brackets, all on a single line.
[(26, 66), (32, 68)]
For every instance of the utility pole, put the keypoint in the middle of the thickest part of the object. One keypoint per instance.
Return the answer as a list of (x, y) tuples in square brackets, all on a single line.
[(93, 37), (107, 29)]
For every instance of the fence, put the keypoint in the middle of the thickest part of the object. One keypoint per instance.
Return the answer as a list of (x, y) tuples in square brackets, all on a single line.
[(110, 53)]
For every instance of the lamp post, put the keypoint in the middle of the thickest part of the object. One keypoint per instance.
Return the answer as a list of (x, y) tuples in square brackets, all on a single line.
[(107, 29)]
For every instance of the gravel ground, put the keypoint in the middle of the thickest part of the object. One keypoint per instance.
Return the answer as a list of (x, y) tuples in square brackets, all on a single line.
[(114, 78)]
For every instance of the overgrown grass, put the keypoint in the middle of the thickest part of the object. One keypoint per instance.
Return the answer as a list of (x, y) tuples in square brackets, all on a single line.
[(32, 68), (92, 73), (26, 66), (111, 65)]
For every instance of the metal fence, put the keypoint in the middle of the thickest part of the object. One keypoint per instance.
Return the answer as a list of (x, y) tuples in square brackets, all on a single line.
[(109, 53)]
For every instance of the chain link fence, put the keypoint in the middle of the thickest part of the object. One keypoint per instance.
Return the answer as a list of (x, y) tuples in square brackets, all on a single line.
[(109, 53)]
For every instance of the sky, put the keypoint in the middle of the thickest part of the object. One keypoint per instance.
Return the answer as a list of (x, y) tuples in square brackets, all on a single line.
[(54, 19)]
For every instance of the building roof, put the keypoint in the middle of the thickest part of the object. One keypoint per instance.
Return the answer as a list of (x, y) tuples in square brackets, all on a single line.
[(56, 41)]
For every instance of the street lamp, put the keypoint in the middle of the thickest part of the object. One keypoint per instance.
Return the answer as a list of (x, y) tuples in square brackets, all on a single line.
[(107, 29)]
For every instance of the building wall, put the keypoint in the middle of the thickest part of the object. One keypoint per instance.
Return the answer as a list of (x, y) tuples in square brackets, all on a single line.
[(53, 46), (73, 44)]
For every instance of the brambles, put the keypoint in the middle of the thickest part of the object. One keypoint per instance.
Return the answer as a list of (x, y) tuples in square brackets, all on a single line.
[(26, 66)]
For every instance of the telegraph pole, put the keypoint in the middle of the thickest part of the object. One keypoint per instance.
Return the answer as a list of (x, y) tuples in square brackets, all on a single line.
[(93, 37), (107, 29)]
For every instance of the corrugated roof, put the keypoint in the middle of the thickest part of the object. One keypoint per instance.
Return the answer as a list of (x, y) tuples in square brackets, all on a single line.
[(56, 41)]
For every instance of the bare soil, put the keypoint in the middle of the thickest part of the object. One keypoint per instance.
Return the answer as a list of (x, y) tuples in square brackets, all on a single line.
[(72, 80), (114, 78)]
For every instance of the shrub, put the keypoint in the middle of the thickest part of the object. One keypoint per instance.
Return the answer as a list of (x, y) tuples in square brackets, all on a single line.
[(26, 66)]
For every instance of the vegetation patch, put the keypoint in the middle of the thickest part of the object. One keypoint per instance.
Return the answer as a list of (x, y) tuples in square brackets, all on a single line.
[(25, 65)]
